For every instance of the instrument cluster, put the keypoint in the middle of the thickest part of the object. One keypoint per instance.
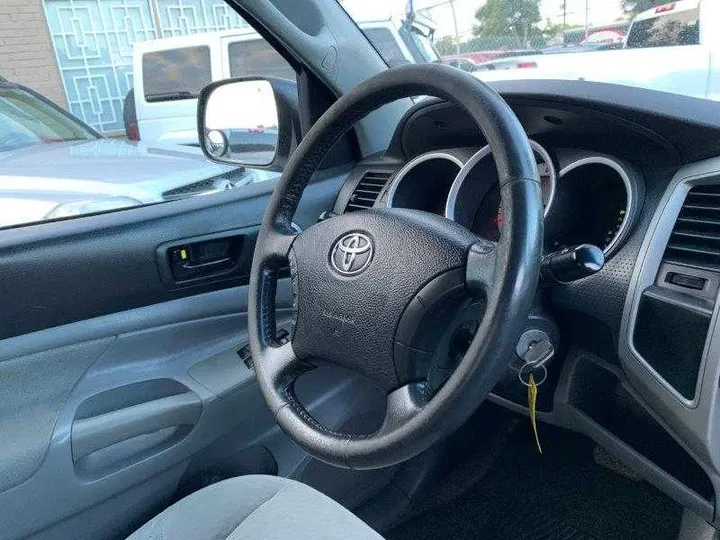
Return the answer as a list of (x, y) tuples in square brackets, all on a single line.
[(589, 198)]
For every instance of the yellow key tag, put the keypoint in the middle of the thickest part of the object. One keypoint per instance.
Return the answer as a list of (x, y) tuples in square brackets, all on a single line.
[(532, 400)]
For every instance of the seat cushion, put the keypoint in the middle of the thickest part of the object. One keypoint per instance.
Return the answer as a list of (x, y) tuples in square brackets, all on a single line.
[(257, 507)]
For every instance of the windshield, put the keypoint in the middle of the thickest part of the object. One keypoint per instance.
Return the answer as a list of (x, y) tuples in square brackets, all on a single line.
[(425, 46), (28, 120), (652, 44), (666, 30)]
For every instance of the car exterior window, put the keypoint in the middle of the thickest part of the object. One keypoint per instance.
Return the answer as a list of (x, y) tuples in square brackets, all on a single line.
[(26, 119), (176, 74), (256, 57), (671, 30), (386, 45), (623, 42), (104, 116)]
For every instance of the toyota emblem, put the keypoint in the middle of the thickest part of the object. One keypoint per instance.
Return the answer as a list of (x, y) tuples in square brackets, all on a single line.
[(351, 254)]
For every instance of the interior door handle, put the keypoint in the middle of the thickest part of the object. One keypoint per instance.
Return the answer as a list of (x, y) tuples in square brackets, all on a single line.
[(204, 258), (98, 432)]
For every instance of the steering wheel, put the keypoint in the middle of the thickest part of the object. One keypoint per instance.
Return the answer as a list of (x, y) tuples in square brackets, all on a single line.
[(362, 281)]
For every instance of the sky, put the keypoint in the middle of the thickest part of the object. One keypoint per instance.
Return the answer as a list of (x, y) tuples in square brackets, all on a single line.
[(600, 12)]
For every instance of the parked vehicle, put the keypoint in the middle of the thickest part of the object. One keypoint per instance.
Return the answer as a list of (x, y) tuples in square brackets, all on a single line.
[(528, 61), (52, 165), (673, 47), (461, 63), (169, 73), (606, 34)]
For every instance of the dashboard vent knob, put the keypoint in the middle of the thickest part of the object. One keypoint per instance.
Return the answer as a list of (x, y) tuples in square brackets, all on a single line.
[(368, 190)]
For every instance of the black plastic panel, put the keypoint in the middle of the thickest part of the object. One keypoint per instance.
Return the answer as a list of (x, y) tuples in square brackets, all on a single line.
[(671, 338), (601, 395)]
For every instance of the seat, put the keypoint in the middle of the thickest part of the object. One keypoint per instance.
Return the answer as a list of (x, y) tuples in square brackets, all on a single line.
[(257, 507)]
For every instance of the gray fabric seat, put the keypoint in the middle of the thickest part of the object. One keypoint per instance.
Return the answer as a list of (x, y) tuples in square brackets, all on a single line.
[(258, 507)]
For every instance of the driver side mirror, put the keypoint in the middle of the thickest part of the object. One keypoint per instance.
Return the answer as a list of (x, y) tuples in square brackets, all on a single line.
[(248, 121)]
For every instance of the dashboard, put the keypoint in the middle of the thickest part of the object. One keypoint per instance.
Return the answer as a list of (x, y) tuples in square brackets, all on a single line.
[(635, 173), (589, 198)]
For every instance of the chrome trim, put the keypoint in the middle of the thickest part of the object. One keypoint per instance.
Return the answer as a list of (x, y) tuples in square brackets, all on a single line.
[(629, 190), (481, 154), (410, 165), (349, 247)]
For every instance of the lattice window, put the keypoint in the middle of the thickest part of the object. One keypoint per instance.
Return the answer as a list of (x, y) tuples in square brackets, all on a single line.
[(93, 42), (183, 17)]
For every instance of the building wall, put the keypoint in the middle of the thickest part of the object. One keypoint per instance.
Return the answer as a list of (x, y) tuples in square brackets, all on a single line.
[(26, 51), (94, 40)]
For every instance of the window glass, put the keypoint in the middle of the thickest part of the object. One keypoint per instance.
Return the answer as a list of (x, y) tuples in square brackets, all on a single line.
[(386, 45), (26, 119), (421, 43), (608, 41), (666, 30), (176, 73), (98, 104), (257, 57)]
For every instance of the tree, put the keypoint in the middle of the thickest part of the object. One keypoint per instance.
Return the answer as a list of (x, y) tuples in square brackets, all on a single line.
[(518, 18), (446, 46), (552, 30), (633, 7)]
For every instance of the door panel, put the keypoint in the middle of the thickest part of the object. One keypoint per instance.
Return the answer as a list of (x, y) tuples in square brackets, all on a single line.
[(113, 381), (133, 353), (56, 273), (33, 389), (89, 445)]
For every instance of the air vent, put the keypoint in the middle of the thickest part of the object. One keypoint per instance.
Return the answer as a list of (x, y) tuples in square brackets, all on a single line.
[(695, 240), (368, 190)]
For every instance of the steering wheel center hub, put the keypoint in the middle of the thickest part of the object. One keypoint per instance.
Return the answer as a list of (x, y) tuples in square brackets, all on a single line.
[(355, 275)]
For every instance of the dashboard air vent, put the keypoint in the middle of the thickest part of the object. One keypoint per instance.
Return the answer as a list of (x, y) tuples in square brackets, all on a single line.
[(695, 239), (368, 190)]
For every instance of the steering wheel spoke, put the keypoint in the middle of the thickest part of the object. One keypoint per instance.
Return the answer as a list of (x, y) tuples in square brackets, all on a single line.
[(403, 404), (281, 366), (275, 247), (481, 267)]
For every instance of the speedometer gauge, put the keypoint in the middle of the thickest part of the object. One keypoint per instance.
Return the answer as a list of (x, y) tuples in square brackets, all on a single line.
[(596, 205), (479, 181)]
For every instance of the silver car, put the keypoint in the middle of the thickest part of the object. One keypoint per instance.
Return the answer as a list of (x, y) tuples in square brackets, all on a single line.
[(52, 165)]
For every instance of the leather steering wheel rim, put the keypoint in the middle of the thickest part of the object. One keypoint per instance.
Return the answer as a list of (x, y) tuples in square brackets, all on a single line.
[(505, 272)]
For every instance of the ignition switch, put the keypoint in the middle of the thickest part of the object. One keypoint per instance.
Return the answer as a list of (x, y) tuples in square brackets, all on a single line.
[(535, 348)]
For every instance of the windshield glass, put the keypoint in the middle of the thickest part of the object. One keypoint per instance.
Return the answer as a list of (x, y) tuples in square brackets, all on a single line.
[(427, 52), (666, 30), (652, 44), (27, 120)]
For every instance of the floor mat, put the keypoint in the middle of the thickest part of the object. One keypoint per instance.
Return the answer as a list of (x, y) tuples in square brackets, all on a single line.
[(561, 494)]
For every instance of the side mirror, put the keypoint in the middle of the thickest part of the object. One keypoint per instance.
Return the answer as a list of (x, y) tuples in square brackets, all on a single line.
[(247, 121)]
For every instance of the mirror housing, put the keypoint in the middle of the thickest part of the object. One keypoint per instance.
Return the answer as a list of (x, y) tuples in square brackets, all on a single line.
[(249, 121)]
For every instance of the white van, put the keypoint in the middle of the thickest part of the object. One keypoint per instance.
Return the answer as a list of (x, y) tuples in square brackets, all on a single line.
[(169, 73)]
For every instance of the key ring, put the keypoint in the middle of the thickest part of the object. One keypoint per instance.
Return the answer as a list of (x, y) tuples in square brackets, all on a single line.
[(527, 370)]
